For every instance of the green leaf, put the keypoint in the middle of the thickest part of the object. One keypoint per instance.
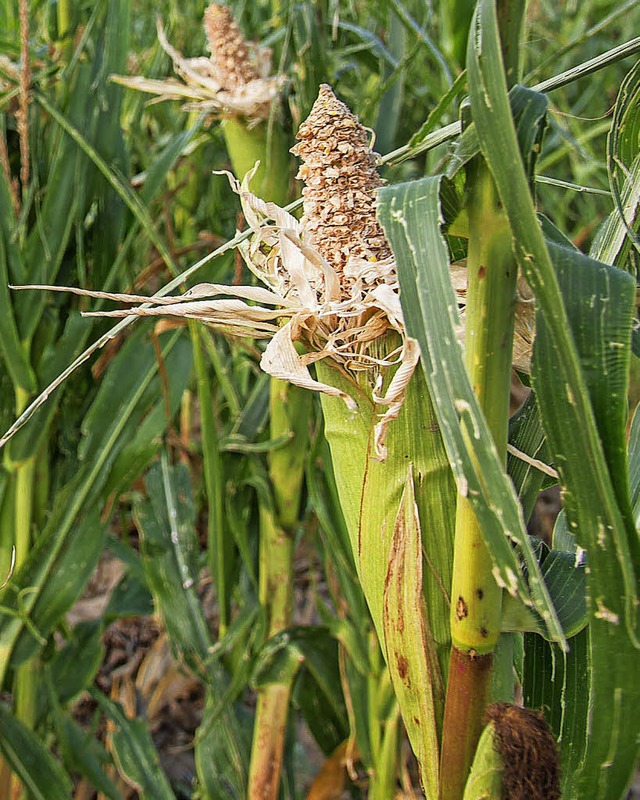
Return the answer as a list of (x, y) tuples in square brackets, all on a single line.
[(410, 216), (75, 665), (69, 573), (166, 521), (84, 754), (53, 360), (125, 404), (318, 688), (565, 578), (485, 779), (393, 79), (559, 685), (47, 241), (221, 768), (527, 435), (619, 233), (145, 439), (634, 465), (170, 550), (115, 179), (13, 353), (134, 752), (39, 772), (529, 112), (131, 597), (598, 508)]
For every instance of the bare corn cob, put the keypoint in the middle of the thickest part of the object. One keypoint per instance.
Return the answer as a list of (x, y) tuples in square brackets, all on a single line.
[(340, 179)]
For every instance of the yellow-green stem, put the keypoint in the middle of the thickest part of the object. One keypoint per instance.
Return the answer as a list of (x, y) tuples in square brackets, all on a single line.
[(264, 143), (64, 22), (289, 414), (24, 496), (476, 599), (272, 712), (26, 675), (272, 709), (275, 586)]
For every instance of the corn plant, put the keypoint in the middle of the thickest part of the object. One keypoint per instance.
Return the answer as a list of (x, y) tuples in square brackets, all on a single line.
[(404, 307)]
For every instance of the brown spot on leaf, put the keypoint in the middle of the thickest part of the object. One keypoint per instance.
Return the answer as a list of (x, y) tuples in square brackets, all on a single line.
[(403, 666), (528, 750), (462, 609), (483, 632), (479, 593), (482, 271)]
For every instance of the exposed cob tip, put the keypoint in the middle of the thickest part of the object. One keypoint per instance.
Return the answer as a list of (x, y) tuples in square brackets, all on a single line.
[(340, 176), (229, 50)]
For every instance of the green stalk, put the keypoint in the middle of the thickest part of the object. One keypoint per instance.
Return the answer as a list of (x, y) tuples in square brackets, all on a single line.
[(289, 413), (65, 23), (476, 599), (289, 408), (26, 674), (272, 709), (7, 516), (24, 474), (265, 143)]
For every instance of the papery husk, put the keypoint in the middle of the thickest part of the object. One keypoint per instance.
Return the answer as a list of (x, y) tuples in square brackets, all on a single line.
[(410, 610), (370, 492)]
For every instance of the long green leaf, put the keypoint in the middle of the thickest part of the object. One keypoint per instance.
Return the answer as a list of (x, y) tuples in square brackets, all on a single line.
[(559, 684), (33, 764), (134, 753), (167, 525), (166, 521), (69, 575), (84, 754), (410, 214), (13, 353), (619, 233)]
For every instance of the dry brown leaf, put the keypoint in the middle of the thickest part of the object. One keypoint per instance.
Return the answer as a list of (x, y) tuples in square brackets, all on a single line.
[(331, 781)]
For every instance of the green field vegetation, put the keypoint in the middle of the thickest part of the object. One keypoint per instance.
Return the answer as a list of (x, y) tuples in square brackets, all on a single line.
[(272, 543)]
